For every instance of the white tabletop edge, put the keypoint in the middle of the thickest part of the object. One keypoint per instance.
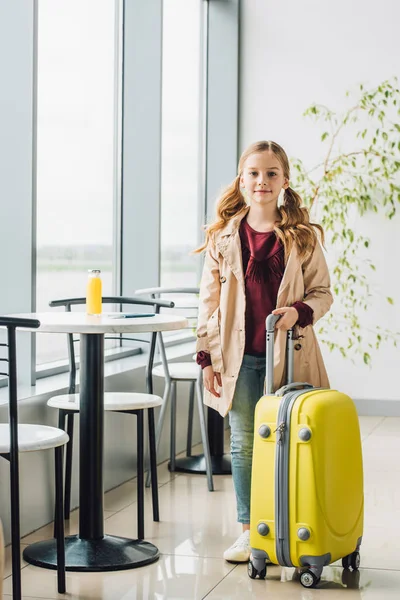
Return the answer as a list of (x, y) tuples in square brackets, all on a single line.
[(79, 322)]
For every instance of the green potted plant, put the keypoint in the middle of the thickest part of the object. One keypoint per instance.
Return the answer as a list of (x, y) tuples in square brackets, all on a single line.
[(359, 174)]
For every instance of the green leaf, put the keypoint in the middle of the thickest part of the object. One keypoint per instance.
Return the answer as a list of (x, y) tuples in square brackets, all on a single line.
[(390, 300), (367, 358), (324, 136)]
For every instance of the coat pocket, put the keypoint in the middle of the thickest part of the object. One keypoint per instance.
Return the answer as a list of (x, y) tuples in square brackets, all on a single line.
[(214, 340)]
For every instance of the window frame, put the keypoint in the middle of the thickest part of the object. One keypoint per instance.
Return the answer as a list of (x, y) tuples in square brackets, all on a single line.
[(141, 33), (38, 371)]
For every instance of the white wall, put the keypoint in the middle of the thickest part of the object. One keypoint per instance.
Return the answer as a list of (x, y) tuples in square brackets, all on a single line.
[(293, 54)]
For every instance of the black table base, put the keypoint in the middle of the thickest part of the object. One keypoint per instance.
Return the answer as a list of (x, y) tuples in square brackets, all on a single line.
[(220, 462), (92, 551), (110, 553), (221, 465)]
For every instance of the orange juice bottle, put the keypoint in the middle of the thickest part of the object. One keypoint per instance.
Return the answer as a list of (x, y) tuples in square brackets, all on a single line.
[(93, 293)]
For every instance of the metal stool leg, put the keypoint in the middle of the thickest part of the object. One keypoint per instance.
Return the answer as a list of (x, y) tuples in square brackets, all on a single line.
[(15, 530), (68, 466), (173, 427), (59, 521), (61, 425), (140, 475), (160, 423), (204, 437), (153, 464), (190, 420)]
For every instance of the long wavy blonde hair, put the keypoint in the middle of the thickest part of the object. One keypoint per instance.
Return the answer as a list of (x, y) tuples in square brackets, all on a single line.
[(294, 226)]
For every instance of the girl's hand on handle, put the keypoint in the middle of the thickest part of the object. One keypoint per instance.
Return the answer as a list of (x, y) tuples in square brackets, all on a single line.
[(288, 319), (209, 380)]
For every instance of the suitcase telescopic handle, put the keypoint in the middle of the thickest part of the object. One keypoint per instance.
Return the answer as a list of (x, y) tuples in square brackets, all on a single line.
[(270, 323)]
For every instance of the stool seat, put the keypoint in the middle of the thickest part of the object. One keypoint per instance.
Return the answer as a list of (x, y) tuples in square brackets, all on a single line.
[(113, 401), (32, 437), (180, 371)]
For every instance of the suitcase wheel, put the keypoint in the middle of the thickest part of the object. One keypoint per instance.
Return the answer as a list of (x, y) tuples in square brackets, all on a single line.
[(355, 561), (308, 579), (253, 572), (346, 562), (352, 560)]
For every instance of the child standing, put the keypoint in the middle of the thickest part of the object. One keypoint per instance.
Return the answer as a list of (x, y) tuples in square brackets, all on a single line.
[(261, 258)]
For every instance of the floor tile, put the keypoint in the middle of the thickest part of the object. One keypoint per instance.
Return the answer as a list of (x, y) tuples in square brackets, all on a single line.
[(125, 494), (368, 425), (7, 597), (7, 562), (193, 521), (283, 584), (177, 577), (197, 526), (389, 426), (46, 532), (120, 497)]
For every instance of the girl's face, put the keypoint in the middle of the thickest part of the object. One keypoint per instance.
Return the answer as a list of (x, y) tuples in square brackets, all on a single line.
[(263, 178)]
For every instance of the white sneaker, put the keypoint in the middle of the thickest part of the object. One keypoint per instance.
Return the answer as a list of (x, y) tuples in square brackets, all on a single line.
[(240, 551)]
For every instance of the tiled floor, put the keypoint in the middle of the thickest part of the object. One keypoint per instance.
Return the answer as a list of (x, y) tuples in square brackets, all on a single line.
[(197, 526)]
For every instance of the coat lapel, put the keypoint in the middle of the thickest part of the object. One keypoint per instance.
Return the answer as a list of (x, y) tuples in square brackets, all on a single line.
[(230, 248), (289, 276)]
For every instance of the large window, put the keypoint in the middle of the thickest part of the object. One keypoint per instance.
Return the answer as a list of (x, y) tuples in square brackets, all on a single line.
[(182, 127), (77, 149)]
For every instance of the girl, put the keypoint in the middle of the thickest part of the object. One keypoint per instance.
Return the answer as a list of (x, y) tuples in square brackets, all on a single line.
[(262, 257)]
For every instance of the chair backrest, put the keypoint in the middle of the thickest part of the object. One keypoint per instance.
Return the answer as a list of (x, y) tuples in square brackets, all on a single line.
[(183, 309), (11, 324), (156, 292), (121, 301), (177, 295)]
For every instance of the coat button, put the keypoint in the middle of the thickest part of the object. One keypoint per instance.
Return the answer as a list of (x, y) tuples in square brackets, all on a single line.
[(222, 279), (297, 347)]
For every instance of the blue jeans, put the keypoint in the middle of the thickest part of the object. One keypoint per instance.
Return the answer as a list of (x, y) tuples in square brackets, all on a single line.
[(249, 389)]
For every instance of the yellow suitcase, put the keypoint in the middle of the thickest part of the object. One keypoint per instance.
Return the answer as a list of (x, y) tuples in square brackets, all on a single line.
[(307, 501)]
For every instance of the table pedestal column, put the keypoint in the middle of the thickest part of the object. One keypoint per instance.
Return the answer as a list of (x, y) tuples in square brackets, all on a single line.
[(220, 462)]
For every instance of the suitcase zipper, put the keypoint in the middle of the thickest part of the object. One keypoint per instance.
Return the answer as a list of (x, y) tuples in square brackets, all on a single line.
[(282, 478), (280, 429)]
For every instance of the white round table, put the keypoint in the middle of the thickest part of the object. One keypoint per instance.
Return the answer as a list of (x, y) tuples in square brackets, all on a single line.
[(91, 550)]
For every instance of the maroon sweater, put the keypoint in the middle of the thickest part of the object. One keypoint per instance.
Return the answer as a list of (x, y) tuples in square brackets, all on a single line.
[(263, 266)]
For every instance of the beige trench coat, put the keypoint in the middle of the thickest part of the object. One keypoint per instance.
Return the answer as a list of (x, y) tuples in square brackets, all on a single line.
[(221, 322)]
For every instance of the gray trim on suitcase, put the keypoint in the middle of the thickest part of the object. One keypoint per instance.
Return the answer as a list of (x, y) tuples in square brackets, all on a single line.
[(282, 478), (318, 562), (259, 558), (291, 387), (283, 429)]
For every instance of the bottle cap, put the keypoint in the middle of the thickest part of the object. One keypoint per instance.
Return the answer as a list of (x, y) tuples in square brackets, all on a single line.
[(94, 271)]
